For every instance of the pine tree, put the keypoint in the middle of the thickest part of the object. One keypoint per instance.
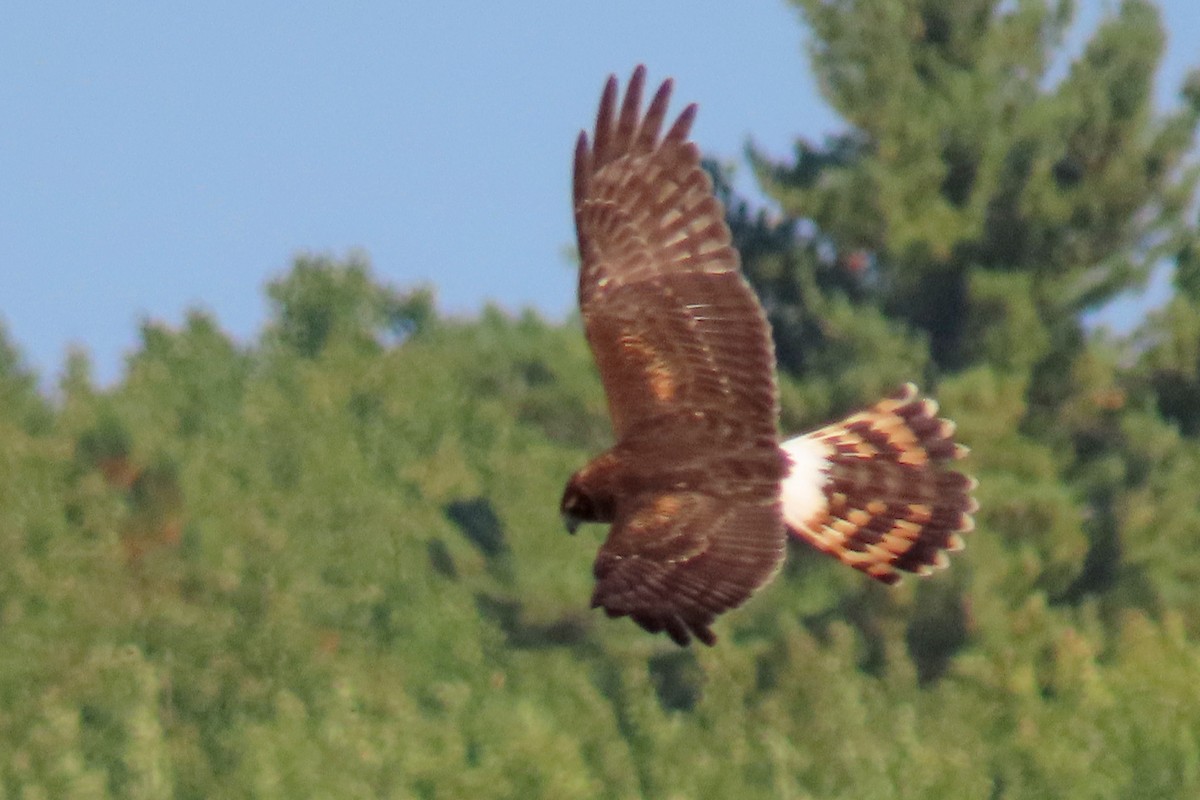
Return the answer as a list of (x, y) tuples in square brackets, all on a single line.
[(977, 186)]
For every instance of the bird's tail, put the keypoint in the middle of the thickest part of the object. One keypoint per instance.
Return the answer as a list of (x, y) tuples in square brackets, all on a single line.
[(873, 489)]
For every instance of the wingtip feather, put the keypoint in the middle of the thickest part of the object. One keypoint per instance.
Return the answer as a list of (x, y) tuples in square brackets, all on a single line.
[(605, 119), (647, 136), (682, 127), (631, 108), (582, 167)]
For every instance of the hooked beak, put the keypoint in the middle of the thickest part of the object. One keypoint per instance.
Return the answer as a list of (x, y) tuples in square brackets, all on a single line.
[(571, 522)]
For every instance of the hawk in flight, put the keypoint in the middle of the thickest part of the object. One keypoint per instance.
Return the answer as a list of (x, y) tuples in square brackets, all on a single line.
[(699, 489)]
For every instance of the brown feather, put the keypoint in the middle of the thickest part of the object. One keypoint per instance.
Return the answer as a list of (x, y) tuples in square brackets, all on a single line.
[(888, 502)]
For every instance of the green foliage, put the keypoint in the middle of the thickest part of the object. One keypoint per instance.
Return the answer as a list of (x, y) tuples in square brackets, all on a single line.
[(322, 303), (18, 390), (244, 573), (328, 562), (966, 152)]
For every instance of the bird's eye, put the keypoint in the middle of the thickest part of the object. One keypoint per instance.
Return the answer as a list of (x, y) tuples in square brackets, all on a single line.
[(575, 504)]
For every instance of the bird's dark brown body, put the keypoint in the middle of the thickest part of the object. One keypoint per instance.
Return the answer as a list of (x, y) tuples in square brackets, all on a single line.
[(663, 486)]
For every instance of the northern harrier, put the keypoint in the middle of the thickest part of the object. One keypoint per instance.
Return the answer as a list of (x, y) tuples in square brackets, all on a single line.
[(699, 490)]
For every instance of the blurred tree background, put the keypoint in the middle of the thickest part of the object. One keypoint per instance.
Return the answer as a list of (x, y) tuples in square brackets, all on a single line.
[(329, 562)]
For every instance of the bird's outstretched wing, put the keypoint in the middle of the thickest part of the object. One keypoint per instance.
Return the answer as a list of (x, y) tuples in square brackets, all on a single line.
[(670, 319), (674, 561)]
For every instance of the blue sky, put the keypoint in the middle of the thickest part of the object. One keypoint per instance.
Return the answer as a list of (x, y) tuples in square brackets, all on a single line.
[(156, 157)]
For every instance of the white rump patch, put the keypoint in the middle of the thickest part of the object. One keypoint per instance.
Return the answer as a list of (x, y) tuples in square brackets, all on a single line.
[(803, 489)]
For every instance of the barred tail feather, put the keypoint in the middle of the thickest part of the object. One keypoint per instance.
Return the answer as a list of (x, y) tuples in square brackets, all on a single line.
[(873, 489)]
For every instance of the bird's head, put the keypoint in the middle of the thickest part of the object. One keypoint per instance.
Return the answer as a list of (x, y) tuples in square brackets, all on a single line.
[(577, 506)]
